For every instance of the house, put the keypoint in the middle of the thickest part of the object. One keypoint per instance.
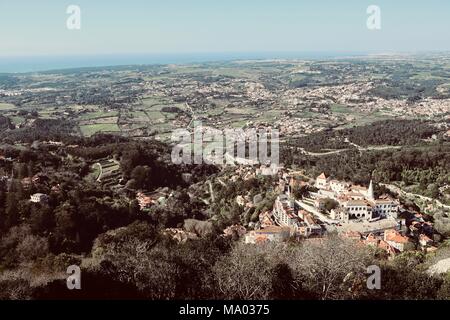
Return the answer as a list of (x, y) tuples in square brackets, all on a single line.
[(240, 201), (359, 189), (321, 181), (144, 200), (338, 186), (265, 219), (353, 235), (326, 193), (340, 214), (147, 200), (265, 170), (377, 242), (372, 240), (386, 208), (424, 240), (390, 250), (395, 239), (312, 227), (38, 197), (353, 195), (319, 203), (270, 234)]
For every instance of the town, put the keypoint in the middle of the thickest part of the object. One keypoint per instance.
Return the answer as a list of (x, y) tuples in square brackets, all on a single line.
[(359, 173)]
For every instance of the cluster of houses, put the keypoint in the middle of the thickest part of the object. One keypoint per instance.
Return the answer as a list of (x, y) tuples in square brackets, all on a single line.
[(392, 241)]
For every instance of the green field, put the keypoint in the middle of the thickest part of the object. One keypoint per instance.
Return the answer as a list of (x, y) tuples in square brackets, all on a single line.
[(6, 106), (98, 114), (156, 116), (17, 119), (139, 116), (90, 129), (152, 101), (340, 108)]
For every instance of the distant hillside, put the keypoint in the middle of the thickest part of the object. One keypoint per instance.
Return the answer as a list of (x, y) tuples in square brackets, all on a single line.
[(387, 132)]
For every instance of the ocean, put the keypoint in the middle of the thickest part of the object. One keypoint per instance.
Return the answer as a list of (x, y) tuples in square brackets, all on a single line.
[(24, 64)]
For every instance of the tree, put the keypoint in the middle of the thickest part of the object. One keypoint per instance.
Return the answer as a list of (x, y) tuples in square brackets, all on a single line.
[(142, 176), (248, 271), (158, 270), (67, 228), (325, 266), (300, 191), (12, 214), (330, 204)]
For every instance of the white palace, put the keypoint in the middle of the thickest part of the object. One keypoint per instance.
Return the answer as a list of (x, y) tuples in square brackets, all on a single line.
[(355, 202)]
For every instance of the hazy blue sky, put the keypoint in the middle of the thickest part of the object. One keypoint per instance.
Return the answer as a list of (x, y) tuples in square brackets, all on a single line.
[(35, 27)]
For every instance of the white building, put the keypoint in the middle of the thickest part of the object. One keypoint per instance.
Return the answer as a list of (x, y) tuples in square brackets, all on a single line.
[(355, 202), (358, 209), (340, 214), (339, 186), (38, 197), (321, 181), (395, 239), (283, 211), (386, 208)]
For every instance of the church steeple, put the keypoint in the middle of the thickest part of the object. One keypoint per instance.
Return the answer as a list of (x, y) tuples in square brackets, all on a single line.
[(370, 194)]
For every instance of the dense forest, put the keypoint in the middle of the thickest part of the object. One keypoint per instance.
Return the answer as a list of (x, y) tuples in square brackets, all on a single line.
[(427, 166), (41, 129), (387, 132)]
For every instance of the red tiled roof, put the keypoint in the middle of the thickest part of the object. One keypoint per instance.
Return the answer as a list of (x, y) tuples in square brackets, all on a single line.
[(352, 234), (386, 246), (272, 229), (394, 236)]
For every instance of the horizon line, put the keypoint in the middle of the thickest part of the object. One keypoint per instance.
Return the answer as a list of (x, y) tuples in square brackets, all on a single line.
[(190, 58)]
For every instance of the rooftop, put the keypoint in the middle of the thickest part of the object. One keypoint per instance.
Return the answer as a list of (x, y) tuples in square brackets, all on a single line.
[(322, 176)]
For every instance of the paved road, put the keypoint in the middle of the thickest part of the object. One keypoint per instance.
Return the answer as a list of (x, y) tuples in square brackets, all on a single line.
[(370, 148)]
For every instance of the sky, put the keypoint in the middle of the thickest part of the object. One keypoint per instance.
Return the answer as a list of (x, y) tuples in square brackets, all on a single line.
[(38, 27)]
